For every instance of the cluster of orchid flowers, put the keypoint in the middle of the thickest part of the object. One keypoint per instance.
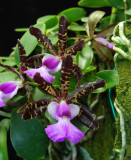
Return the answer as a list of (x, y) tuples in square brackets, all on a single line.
[(62, 107)]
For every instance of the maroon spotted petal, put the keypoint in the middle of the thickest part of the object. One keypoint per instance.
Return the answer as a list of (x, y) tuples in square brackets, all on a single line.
[(45, 86), (46, 42), (62, 35), (35, 61), (87, 118), (65, 76), (12, 69), (86, 88), (35, 108), (76, 47)]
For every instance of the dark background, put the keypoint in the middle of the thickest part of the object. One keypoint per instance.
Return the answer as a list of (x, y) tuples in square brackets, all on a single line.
[(23, 13)]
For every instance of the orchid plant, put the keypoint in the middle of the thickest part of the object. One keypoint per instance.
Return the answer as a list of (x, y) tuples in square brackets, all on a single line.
[(54, 85)]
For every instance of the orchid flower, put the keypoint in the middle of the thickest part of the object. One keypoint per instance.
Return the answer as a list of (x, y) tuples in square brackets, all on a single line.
[(52, 63), (9, 89), (62, 108), (102, 46)]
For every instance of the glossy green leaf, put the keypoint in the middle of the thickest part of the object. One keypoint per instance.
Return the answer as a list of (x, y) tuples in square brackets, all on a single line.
[(28, 137), (3, 143), (50, 21), (10, 61), (89, 69), (117, 3), (53, 38), (84, 19), (85, 57), (7, 76), (72, 14), (93, 3), (29, 42), (76, 27), (111, 78)]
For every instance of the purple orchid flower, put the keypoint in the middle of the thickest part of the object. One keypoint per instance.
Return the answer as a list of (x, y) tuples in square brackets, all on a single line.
[(9, 90), (62, 108), (50, 63), (63, 113), (103, 48)]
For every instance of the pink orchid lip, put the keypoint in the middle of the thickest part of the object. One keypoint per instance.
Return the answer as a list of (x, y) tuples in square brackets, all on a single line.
[(63, 113)]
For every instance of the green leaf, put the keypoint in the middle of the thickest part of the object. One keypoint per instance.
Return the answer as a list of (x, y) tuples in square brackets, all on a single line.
[(72, 14), (10, 61), (111, 78), (76, 27), (21, 29), (7, 76), (3, 143), (29, 42), (28, 137), (84, 19), (50, 21), (117, 3), (93, 3), (85, 57), (53, 38), (89, 69)]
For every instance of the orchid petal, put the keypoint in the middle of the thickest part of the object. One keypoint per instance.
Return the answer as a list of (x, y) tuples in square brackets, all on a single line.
[(54, 70), (52, 109), (73, 133), (63, 110), (8, 87), (74, 110), (57, 132), (43, 73), (2, 102), (64, 129), (51, 62), (105, 42)]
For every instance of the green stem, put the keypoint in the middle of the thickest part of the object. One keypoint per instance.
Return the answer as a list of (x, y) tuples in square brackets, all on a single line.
[(113, 15), (88, 39), (32, 84), (4, 114)]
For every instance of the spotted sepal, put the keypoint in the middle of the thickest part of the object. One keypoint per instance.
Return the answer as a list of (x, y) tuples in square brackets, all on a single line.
[(35, 108), (30, 98), (87, 118), (45, 86), (46, 42), (23, 57), (35, 61), (76, 47), (65, 76), (12, 69), (77, 72), (62, 35), (86, 88)]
